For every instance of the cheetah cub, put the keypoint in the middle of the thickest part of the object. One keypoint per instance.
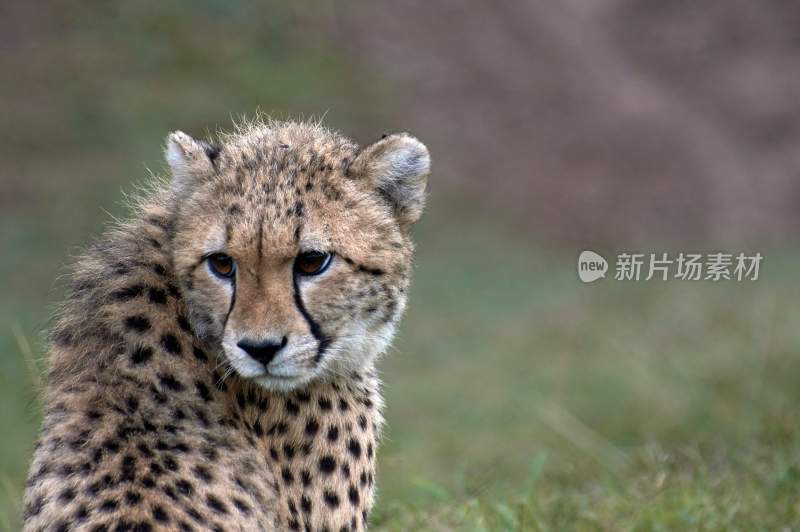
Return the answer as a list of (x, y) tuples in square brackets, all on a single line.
[(213, 367)]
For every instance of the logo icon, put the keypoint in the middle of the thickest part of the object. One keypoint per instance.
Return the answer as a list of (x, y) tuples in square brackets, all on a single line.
[(591, 266)]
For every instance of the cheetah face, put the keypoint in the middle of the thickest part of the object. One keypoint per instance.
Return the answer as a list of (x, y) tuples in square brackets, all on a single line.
[(291, 247)]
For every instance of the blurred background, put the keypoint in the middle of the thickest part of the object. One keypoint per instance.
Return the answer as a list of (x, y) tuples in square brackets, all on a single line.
[(518, 397)]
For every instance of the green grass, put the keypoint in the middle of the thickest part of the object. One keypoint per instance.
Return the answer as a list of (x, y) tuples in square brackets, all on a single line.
[(520, 399)]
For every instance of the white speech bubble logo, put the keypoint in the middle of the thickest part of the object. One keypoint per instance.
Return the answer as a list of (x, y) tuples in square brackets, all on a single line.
[(591, 266)]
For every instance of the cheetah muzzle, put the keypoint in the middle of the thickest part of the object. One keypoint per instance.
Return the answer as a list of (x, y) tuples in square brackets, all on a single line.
[(213, 366)]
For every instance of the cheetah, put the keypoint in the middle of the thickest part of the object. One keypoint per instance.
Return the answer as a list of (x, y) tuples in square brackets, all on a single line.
[(213, 364)]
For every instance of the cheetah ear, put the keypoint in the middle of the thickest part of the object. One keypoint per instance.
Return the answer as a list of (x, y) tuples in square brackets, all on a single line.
[(397, 166), (189, 159)]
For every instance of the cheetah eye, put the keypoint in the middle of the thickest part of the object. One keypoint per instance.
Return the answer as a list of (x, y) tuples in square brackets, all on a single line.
[(312, 262), (221, 265)]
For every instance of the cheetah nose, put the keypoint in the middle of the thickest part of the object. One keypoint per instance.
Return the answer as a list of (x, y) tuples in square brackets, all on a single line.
[(263, 351)]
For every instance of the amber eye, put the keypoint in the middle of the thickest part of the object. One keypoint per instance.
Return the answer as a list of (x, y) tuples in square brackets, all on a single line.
[(221, 265), (312, 262)]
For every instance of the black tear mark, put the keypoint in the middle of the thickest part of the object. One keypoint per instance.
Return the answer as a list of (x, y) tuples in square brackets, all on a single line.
[(316, 330), (233, 302)]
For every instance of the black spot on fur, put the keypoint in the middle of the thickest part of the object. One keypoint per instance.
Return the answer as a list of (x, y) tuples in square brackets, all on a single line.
[(171, 344), (111, 445), (184, 486), (333, 433), (354, 447), (331, 499), (181, 447), (305, 504), (183, 323), (312, 427), (202, 473), (352, 494), (203, 391), (173, 290), (137, 323), (327, 464), (170, 463), (160, 514), (67, 495), (127, 293), (199, 354), (170, 382), (81, 513), (288, 451), (108, 505), (241, 506), (141, 354), (216, 505), (160, 222), (303, 396), (132, 498), (157, 296)]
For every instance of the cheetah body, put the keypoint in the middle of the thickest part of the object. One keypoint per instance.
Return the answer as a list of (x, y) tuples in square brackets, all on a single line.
[(153, 419)]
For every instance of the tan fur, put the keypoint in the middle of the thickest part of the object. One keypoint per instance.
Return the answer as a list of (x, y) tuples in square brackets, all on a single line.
[(155, 419)]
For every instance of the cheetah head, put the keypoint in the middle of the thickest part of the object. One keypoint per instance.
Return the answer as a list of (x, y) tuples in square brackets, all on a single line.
[(291, 246)]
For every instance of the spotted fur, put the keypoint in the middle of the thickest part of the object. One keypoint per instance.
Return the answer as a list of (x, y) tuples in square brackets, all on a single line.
[(155, 418)]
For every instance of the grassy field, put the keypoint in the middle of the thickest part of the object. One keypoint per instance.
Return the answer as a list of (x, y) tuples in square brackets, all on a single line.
[(520, 399)]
